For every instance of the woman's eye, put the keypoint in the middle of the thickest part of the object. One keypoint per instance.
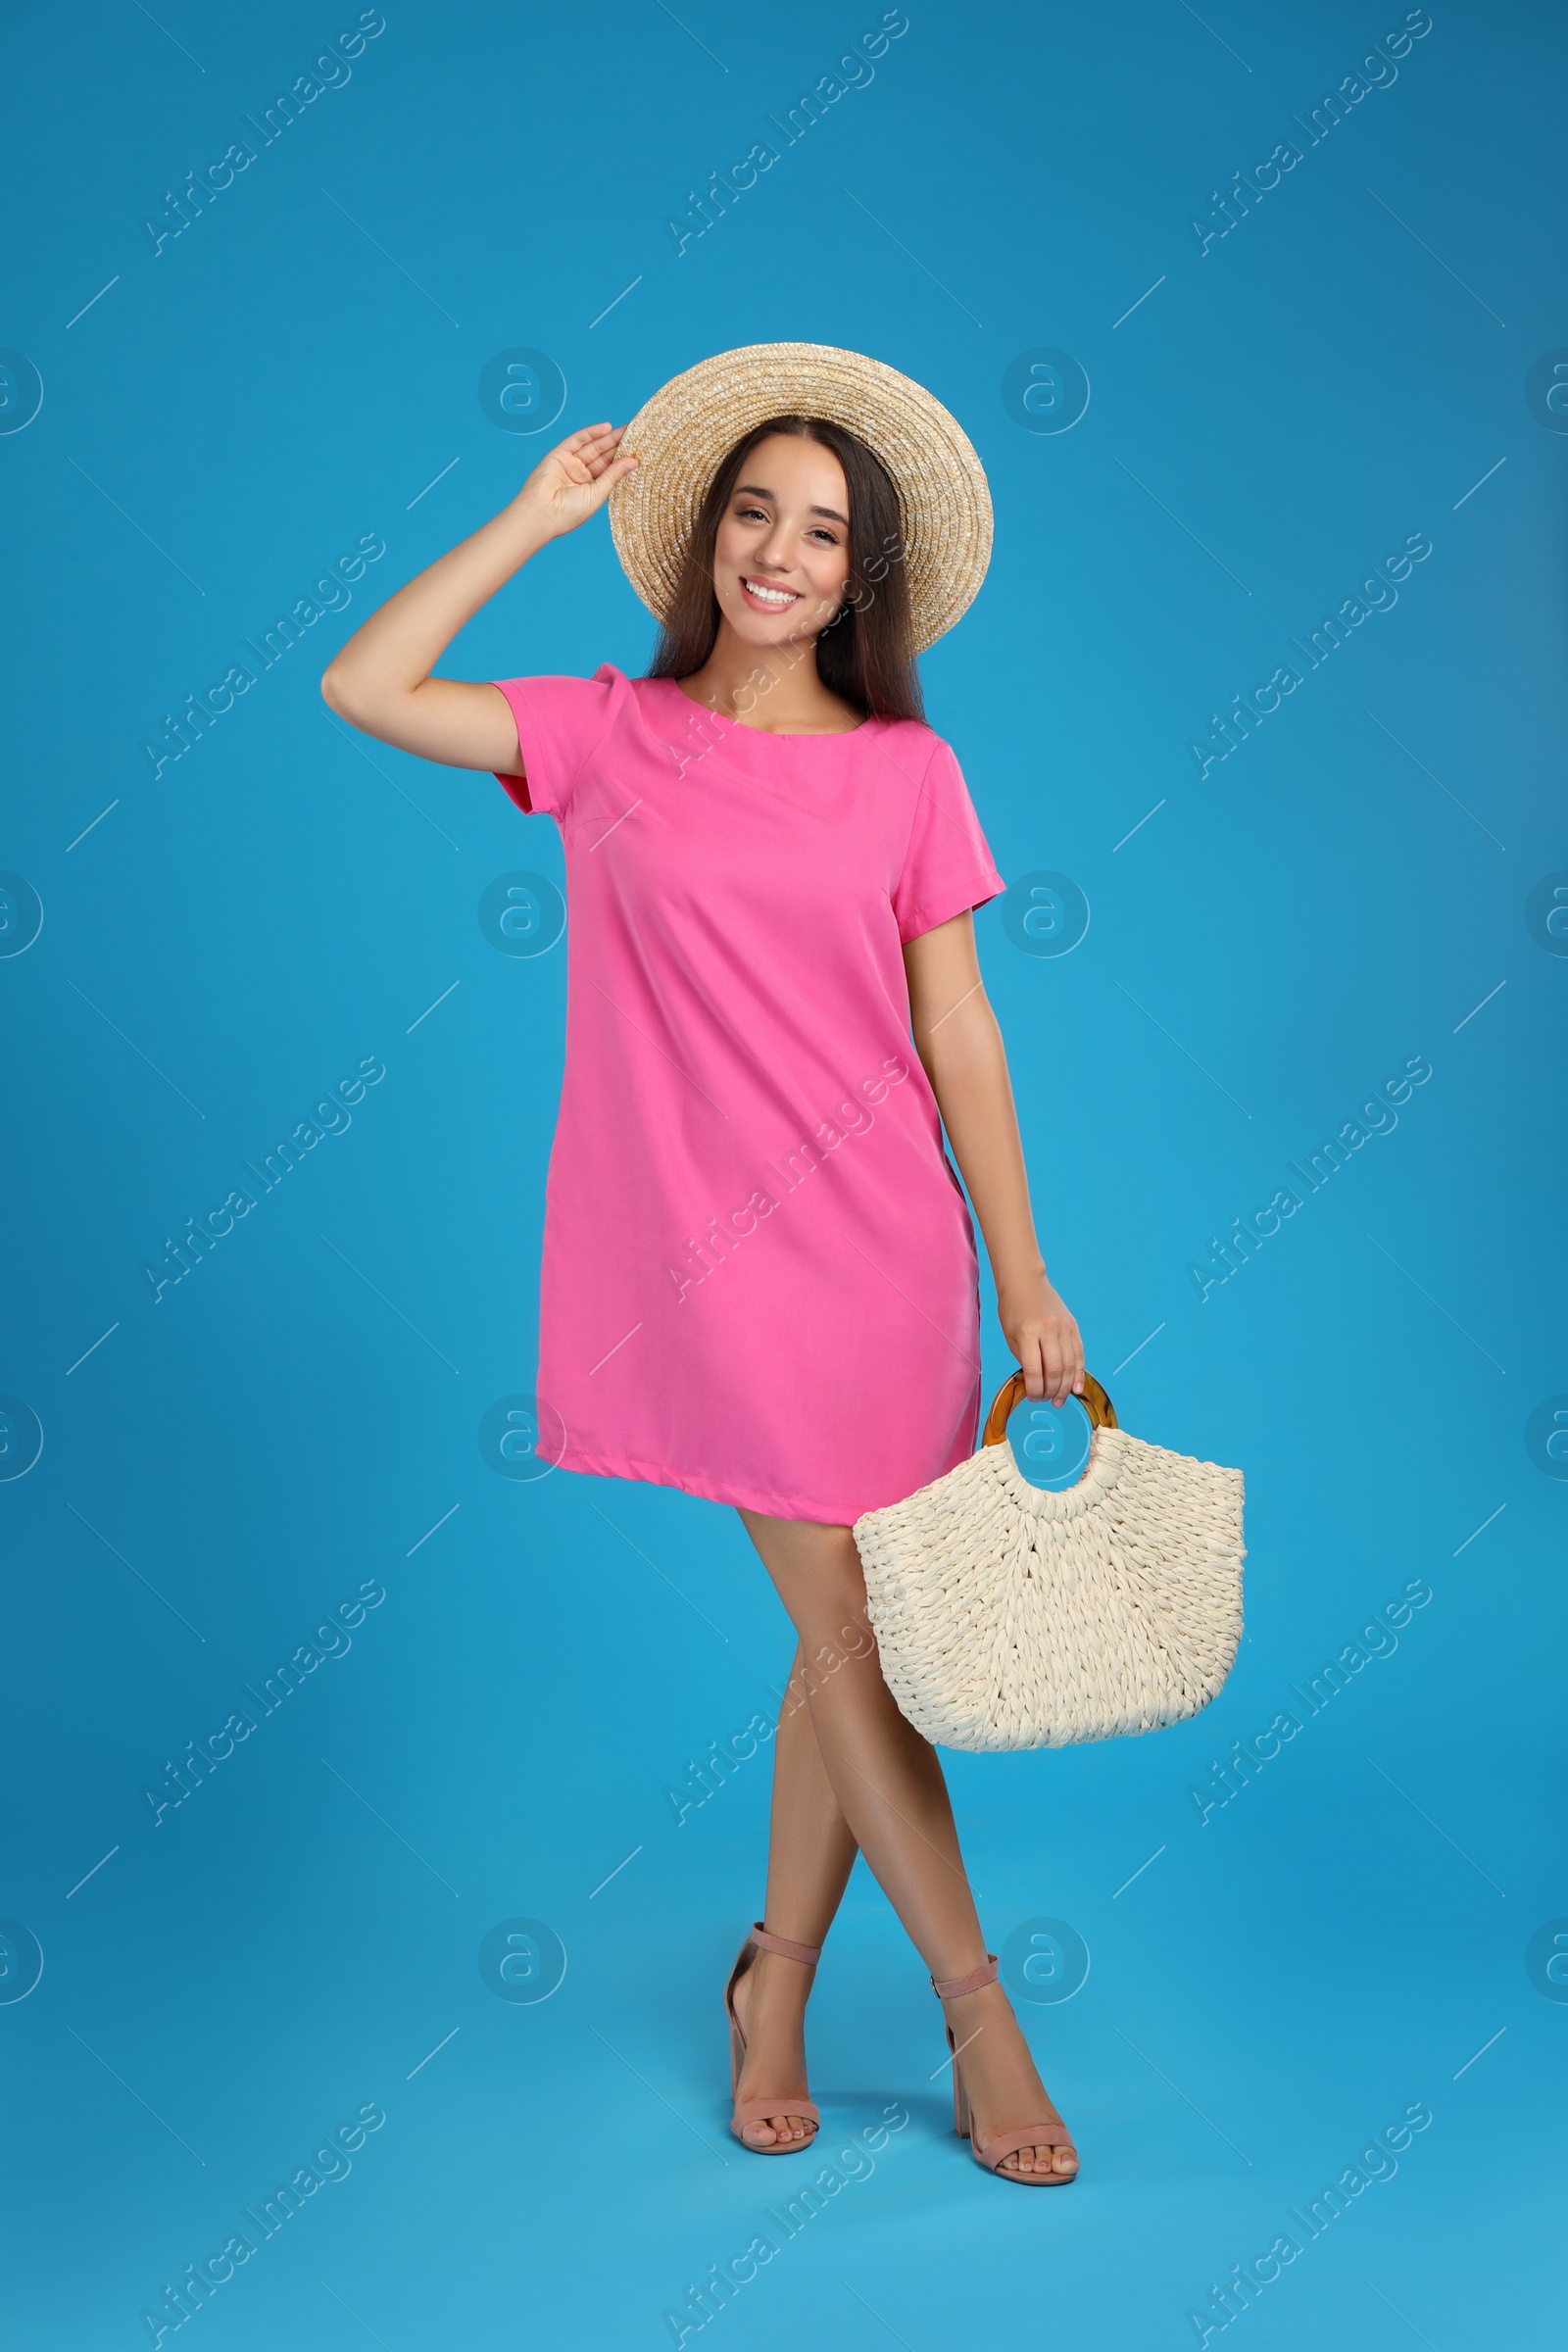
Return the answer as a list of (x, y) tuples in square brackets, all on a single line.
[(819, 532)]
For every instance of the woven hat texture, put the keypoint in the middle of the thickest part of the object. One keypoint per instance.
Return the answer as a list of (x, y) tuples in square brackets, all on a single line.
[(1008, 1617), (684, 433)]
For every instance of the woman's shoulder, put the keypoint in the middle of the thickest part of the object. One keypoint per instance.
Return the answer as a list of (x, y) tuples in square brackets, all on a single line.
[(567, 701), (562, 721), (912, 744), (571, 686), (606, 686)]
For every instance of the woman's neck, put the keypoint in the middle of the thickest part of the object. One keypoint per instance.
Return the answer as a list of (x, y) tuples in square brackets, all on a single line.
[(776, 689)]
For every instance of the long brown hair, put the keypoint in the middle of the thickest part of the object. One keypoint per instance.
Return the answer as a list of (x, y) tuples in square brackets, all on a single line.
[(864, 652)]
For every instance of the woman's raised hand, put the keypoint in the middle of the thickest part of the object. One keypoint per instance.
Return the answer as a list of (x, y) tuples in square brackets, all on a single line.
[(573, 480)]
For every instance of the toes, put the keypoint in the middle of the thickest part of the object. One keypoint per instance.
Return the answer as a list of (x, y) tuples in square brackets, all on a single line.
[(790, 2130), (785, 2128), (1041, 2160)]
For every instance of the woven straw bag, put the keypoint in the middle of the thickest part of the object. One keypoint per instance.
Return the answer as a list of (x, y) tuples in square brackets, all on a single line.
[(1007, 1616)]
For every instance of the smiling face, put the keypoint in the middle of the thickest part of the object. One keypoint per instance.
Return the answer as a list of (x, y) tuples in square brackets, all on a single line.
[(781, 556)]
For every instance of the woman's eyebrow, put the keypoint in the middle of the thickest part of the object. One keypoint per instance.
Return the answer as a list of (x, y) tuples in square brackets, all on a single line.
[(756, 490)]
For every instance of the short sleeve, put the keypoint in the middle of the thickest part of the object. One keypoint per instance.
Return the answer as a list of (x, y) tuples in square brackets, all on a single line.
[(559, 721), (948, 865)]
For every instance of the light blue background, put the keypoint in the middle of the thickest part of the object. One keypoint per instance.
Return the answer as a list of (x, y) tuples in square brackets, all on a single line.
[(299, 368)]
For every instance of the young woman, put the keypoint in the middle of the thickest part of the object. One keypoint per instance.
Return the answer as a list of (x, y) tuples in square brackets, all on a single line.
[(759, 1280)]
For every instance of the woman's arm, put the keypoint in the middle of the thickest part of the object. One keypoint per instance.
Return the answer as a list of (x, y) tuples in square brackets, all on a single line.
[(959, 1045), (380, 681)]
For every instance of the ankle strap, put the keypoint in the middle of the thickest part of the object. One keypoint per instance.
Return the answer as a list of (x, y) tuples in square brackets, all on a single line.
[(809, 1953), (954, 1985)]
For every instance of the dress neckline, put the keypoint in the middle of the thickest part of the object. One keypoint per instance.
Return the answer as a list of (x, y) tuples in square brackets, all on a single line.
[(767, 734)]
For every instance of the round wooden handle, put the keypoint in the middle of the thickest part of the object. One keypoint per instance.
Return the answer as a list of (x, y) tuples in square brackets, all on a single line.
[(1096, 1403)]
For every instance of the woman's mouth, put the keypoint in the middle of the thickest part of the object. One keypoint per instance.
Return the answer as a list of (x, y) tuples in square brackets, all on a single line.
[(762, 597)]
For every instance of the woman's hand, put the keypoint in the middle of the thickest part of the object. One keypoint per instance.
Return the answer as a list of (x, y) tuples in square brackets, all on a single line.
[(1043, 1337), (573, 481)]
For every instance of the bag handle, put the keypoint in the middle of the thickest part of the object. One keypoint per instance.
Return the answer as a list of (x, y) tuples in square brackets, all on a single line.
[(1096, 1403)]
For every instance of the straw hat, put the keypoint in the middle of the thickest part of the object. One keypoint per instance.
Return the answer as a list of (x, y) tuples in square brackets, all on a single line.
[(684, 433)]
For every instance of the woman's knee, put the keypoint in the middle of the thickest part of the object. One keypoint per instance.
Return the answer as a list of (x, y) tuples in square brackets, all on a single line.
[(817, 1573), (833, 1624), (833, 1613)]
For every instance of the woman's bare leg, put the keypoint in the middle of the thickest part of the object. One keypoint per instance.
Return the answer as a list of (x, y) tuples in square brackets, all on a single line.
[(809, 1855), (889, 1786)]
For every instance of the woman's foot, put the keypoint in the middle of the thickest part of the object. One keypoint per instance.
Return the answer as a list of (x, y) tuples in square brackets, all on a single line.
[(770, 2005), (1006, 2093)]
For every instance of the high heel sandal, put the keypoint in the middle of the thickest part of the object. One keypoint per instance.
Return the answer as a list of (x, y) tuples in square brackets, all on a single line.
[(761, 2111), (992, 2154)]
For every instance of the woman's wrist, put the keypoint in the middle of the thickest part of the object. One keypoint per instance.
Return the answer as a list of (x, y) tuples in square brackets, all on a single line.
[(1021, 1274), (529, 522)]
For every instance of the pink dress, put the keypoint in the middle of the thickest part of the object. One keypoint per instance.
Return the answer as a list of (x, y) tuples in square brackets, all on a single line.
[(759, 1281)]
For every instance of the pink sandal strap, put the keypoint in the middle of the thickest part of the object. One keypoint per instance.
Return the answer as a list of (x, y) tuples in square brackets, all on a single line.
[(954, 1985), (809, 1953), (994, 2153)]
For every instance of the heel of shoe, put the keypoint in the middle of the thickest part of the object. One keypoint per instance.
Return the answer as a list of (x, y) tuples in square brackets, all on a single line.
[(960, 2097), (950, 1989), (737, 2055)]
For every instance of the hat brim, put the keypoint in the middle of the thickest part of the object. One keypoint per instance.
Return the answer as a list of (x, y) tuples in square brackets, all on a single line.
[(683, 434)]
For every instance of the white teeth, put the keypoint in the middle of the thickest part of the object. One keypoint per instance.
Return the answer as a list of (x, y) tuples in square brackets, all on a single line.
[(771, 595)]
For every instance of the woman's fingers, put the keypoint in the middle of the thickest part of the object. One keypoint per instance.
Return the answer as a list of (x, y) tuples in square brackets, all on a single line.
[(603, 445), (1050, 1351), (594, 493), (597, 460), (1062, 1355), (582, 454), (574, 479), (1072, 1362), (571, 459)]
